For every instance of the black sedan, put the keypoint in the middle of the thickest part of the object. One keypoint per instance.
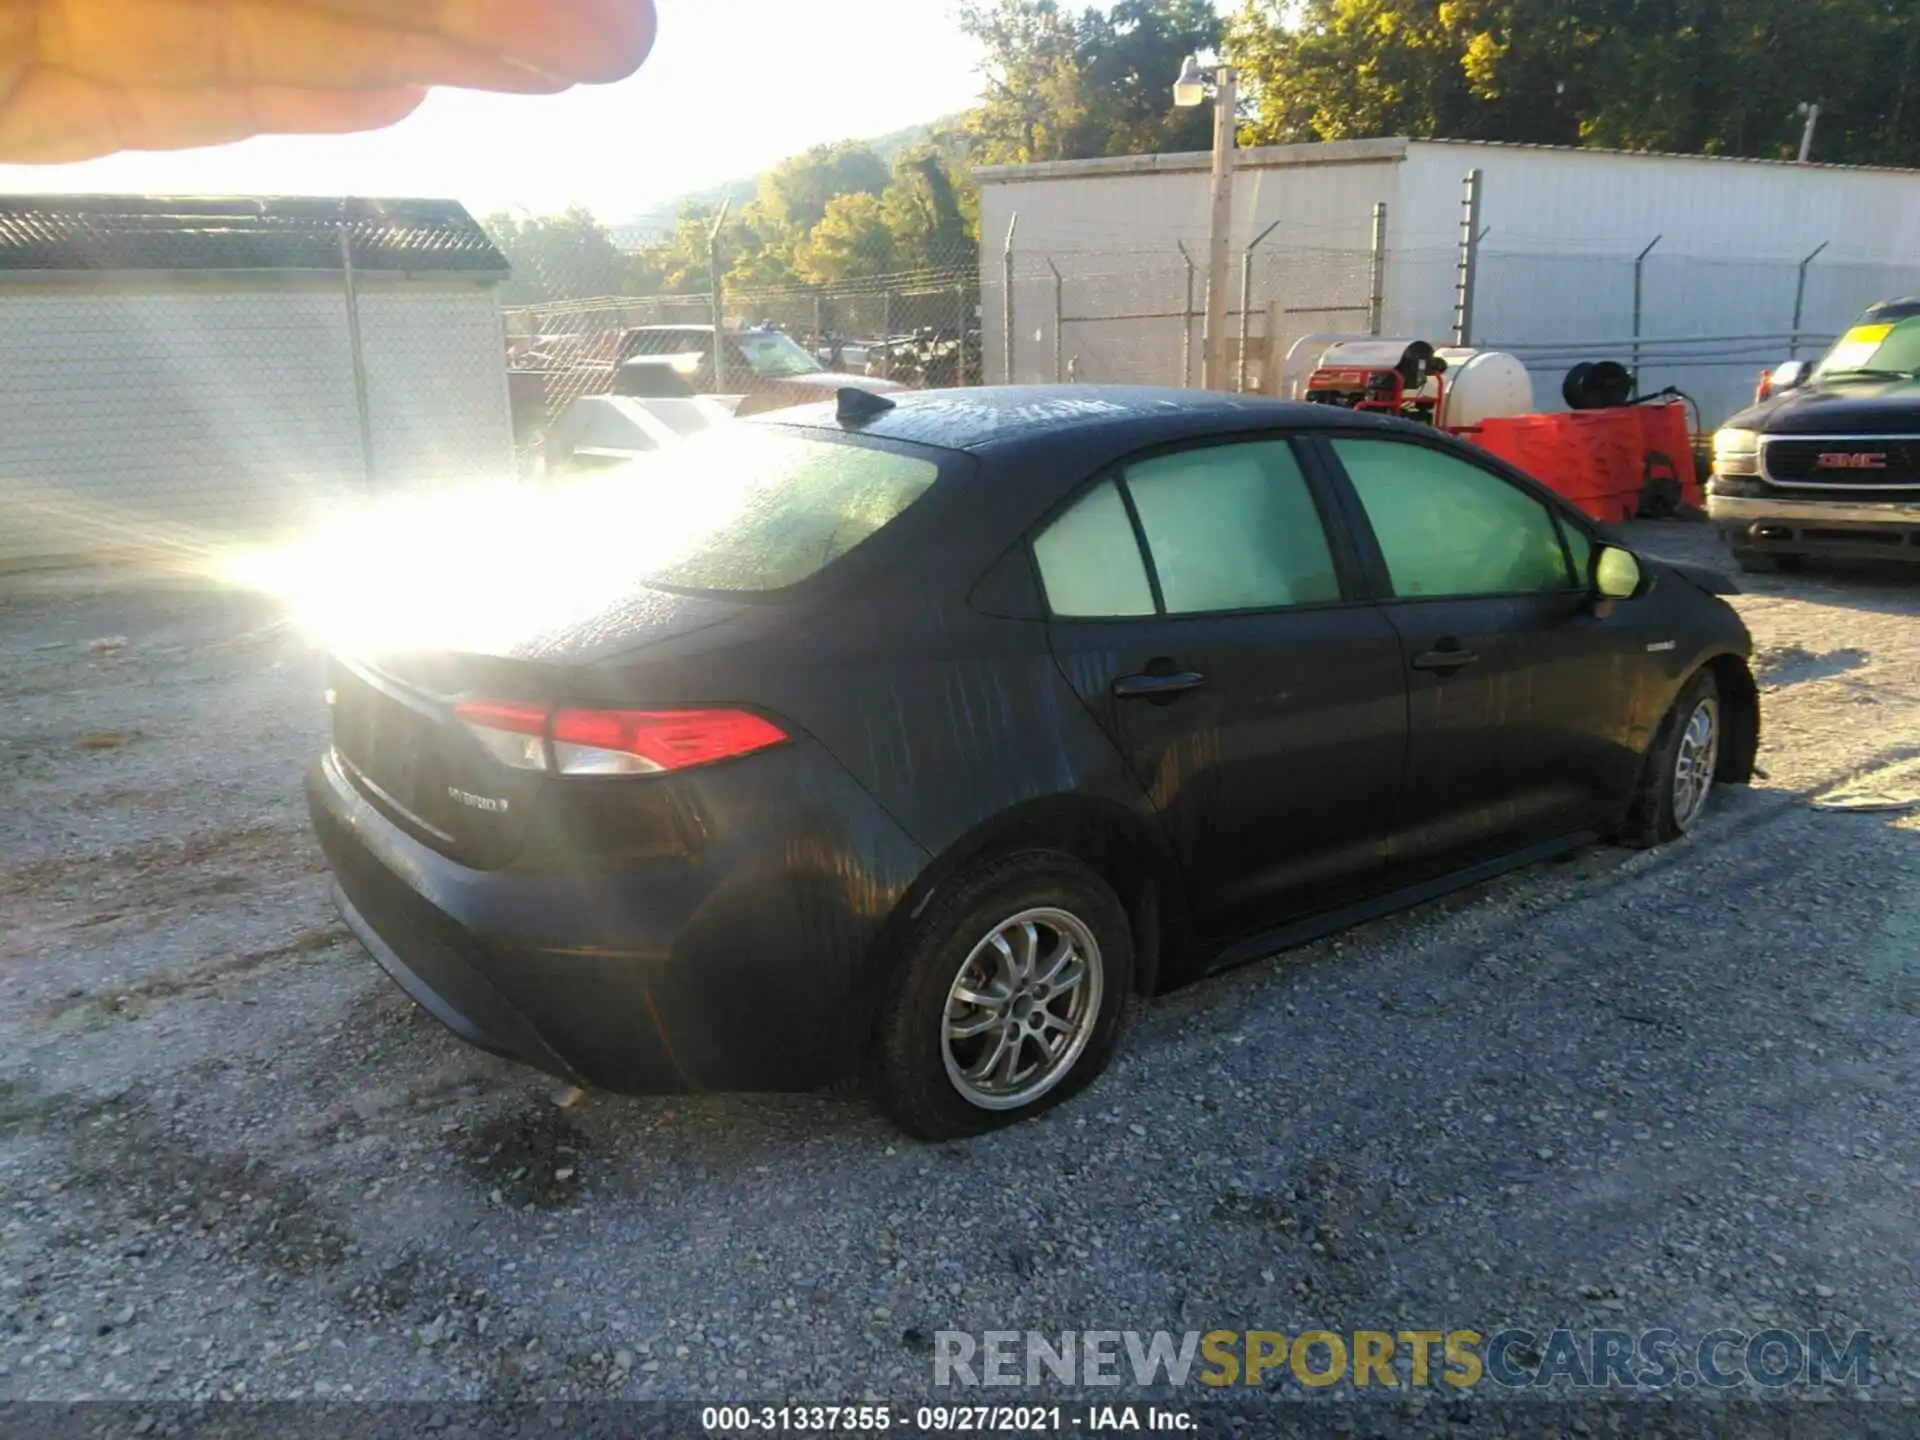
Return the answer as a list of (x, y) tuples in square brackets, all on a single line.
[(953, 721)]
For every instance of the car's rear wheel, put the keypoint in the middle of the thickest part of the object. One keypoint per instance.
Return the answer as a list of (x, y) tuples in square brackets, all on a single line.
[(1767, 562), (1680, 770), (1009, 999)]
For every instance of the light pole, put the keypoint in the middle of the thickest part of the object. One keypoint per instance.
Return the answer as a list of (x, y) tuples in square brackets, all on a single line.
[(1812, 114), (1190, 92)]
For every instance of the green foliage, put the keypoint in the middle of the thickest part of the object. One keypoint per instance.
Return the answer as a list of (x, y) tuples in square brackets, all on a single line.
[(555, 257), (1066, 86), (1693, 76)]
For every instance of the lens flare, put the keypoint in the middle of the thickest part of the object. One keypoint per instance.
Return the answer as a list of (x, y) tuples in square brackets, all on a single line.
[(478, 568)]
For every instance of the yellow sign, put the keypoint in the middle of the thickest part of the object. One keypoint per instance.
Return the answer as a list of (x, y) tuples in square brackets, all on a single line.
[(1855, 348)]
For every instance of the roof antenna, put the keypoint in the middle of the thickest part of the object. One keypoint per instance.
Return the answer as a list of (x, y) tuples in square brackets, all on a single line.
[(856, 407)]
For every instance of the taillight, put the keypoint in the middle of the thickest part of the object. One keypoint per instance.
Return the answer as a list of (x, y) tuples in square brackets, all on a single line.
[(614, 742), (646, 742), (513, 734)]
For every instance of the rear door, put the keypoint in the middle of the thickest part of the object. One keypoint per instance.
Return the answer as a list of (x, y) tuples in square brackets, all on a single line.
[(1522, 693), (1214, 623)]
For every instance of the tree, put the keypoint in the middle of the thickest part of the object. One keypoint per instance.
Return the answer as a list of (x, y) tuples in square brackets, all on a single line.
[(795, 194), (558, 257), (926, 209), (852, 241), (1061, 86), (1694, 76)]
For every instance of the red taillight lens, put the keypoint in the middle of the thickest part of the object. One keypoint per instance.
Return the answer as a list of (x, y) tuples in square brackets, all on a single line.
[(646, 742), (613, 742)]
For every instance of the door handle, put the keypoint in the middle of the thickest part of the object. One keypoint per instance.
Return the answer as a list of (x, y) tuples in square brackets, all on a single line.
[(1444, 660), (1153, 687)]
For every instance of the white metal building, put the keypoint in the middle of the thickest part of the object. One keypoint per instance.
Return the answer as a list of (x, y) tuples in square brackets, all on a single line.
[(1738, 250), (176, 373)]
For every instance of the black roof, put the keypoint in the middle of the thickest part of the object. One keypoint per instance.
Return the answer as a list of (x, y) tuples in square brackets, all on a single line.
[(150, 232), (977, 420)]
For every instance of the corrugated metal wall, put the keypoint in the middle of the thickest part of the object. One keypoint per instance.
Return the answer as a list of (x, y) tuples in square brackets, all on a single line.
[(180, 416), (1563, 229), (1114, 231)]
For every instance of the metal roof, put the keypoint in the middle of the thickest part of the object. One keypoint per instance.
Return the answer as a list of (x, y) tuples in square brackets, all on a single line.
[(64, 233), (1369, 149)]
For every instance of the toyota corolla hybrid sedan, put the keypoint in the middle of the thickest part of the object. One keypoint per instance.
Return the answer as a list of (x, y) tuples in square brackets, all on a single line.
[(948, 723)]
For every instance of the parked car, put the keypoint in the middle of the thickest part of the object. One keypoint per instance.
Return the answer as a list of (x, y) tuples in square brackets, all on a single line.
[(769, 367), (1827, 462), (960, 721)]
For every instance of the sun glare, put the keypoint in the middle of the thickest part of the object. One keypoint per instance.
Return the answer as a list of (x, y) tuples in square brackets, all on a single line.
[(482, 568)]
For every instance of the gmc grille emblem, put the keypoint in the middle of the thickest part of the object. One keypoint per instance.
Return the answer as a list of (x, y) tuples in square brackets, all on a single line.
[(1852, 460)]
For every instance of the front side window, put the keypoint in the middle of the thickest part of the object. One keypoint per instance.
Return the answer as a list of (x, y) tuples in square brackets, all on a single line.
[(1090, 560), (1233, 527), (1448, 528)]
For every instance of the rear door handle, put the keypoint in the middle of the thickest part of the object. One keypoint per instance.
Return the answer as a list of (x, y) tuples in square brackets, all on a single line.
[(1150, 687), (1444, 659)]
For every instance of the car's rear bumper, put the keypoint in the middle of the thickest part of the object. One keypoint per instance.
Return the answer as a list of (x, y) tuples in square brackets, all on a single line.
[(1887, 530), (744, 966)]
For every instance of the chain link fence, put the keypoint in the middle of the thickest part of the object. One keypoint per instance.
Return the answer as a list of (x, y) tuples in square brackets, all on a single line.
[(917, 326), (1704, 325)]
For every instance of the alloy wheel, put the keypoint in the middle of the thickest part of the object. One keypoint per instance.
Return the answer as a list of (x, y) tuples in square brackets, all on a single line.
[(1022, 1009), (1695, 762)]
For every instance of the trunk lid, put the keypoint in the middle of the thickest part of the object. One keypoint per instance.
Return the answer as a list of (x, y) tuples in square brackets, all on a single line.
[(400, 745), (403, 747)]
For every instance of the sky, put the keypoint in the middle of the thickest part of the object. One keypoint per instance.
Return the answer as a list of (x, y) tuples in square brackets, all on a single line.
[(732, 87)]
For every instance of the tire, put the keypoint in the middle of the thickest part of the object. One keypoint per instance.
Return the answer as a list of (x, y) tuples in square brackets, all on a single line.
[(1665, 806), (1763, 562), (921, 1069)]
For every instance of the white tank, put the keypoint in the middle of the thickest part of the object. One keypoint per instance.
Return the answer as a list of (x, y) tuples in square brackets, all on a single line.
[(1482, 385)]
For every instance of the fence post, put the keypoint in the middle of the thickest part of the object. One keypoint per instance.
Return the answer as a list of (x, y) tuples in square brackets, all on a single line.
[(358, 351), (719, 300), (1186, 322), (1469, 259), (1059, 324), (1246, 304), (1639, 269), (1800, 298), (961, 330), (1377, 267), (820, 325), (886, 336), (1006, 270)]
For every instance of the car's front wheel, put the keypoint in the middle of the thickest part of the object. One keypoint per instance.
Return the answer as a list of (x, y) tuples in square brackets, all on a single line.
[(1681, 769), (1009, 997)]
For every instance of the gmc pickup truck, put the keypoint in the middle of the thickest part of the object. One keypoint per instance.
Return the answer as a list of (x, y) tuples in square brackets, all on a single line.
[(1828, 462)]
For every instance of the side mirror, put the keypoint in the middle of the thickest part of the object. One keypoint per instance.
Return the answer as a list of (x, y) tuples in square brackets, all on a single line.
[(1616, 574), (1789, 375)]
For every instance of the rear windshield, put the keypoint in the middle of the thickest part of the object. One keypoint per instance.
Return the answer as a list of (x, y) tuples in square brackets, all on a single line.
[(753, 509)]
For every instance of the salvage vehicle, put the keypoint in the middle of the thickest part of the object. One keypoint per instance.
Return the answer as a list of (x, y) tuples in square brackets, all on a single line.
[(1827, 462), (769, 367), (960, 719)]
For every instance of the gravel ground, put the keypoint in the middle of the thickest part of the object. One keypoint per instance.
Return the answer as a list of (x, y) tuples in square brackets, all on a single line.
[(1623, 1090)]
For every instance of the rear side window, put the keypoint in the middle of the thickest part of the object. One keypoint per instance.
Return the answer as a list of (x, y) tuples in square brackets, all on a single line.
[(1233, 527), (1090, 561), (751, 509), (1447, 527)]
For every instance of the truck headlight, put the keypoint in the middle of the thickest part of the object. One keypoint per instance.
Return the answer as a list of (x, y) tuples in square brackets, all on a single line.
[(1736, 452)]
